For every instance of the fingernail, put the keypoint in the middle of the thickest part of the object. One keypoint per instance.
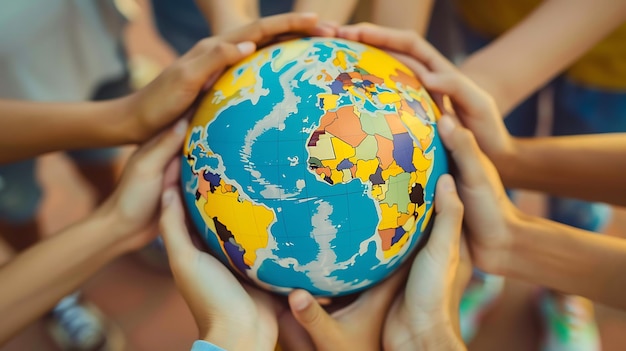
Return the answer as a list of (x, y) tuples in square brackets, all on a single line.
[(167, 197), (302, 302), (445, 124), (447, 183), (181, 127), (246, 47)]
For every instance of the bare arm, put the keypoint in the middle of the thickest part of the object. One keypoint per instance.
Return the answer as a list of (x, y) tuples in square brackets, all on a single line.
[(569, 260), (590, 167), (507, 242), (31, 128), (337, 11), (36, 279), (551, 38), (225, 15), (403, 14)]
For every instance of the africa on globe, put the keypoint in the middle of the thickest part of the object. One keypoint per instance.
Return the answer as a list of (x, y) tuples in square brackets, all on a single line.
[(312, 164)]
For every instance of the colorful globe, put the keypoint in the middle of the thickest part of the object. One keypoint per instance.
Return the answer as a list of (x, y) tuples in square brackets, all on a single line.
[(312, 164)]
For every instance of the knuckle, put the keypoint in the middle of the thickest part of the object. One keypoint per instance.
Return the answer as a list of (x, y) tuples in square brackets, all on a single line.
[(181, 73), (457, 207), (365, 24), (222, 49), (314, 317), (205, 45), (142, 168)]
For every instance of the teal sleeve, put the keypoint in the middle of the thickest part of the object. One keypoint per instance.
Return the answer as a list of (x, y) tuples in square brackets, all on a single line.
[(201, 345)]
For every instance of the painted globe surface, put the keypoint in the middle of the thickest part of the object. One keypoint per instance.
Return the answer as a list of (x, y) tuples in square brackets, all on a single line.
[(312, 164)]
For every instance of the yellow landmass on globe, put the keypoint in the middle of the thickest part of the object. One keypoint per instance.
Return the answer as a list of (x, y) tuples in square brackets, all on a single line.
[(249, 223)]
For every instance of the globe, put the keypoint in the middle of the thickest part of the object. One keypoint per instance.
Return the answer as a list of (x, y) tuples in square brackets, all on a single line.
[(312, 164)]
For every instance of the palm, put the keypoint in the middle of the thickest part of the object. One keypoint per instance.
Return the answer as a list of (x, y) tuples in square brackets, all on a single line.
[(230, 302)]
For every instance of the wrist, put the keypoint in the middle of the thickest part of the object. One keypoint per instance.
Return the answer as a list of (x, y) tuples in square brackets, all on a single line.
[(125, 114), (507, 162), (234, 337), (118, 231), (524, 238), (106, 232)]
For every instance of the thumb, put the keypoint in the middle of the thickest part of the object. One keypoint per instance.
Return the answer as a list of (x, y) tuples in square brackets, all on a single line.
[(446, 231), (173, 229), (311, 316)]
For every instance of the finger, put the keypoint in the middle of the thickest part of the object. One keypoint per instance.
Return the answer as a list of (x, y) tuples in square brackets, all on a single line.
[(464, 271), (292, 336), (311, 316), (209, 56), (172, 224), (377, 300), (265, 29), (446, 230), (473, 166), (172, 172), (402, 41), (155, 155)]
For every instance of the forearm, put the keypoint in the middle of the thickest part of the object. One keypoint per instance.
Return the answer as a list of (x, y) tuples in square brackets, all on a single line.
[(224, 15), (569, 260), (35, 280), (590, 167), (404, 14), (538, 48), (328, 10), (30, 128)]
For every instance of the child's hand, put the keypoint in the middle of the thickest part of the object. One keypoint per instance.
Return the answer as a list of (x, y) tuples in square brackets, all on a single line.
[(474, 107), (425, 315), (490, 217), (227, 314), (357, 326), (134, 205), (171, 94)]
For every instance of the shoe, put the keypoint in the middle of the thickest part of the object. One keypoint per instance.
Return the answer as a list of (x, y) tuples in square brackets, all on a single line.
[(481, 293), (75, 325), (568, 323)]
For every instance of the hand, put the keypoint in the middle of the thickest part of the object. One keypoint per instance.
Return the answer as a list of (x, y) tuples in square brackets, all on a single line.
[(358, 326), (228, 314), (425, 315), (490, 217), (473, 106), (134, 205), (171, 93)]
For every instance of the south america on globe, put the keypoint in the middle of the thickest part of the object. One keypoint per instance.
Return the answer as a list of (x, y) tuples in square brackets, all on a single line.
[(312, 164)]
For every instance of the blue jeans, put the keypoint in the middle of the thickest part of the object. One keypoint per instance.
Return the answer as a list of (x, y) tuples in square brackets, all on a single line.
[(577, 110)]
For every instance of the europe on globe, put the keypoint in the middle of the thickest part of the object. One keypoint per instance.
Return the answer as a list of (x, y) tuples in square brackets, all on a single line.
[(312, 164)]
